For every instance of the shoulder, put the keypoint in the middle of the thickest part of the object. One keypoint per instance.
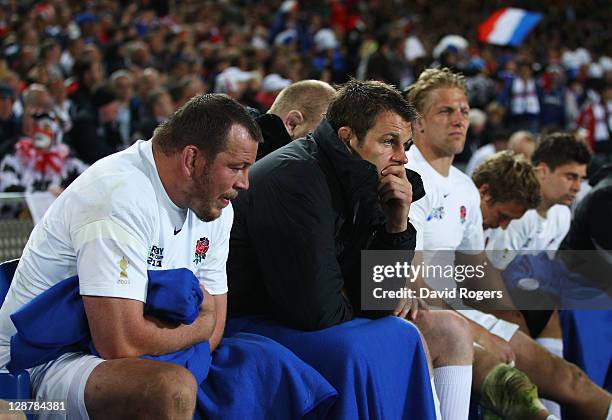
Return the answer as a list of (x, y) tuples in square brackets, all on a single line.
[(562, 215), (465, 185), (223, 224), (217, 231), (292, 167), (112, 188), (527, 223), (484, 151)]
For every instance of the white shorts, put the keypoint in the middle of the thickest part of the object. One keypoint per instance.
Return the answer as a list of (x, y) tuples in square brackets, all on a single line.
[(494, 325), (64, 379)]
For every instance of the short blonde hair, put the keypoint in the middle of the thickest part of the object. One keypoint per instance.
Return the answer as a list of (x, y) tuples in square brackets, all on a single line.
[(430, 80), (310, 97), (510, 177)]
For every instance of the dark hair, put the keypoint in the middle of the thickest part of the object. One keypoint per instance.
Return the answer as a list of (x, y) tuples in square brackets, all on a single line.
[(510, 177), (560, 148), (177, 88), (81, 66), (152, 98), (103, 94), (358, 104), (204, 121)]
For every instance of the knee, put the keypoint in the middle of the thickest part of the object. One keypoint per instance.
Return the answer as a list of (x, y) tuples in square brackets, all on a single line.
[(426, 350), (172, 391), (453, 328), (355, 344), (574, 381)]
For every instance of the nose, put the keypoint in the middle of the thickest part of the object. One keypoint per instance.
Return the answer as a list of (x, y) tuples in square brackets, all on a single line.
[(242, 183), (459, 118), (399, 156)]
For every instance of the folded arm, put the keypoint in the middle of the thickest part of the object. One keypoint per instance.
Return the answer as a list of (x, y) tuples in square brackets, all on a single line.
[(120, 329)]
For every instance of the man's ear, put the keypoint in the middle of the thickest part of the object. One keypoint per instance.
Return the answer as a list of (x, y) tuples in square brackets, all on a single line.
[(292, 120), (418, 126), (346, 137), (189, 160), (484, 191), (542, 170)]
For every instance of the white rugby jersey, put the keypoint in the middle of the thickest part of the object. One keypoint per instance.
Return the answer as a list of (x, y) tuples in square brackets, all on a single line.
[(110, 226), (448, 217), (531, 232)]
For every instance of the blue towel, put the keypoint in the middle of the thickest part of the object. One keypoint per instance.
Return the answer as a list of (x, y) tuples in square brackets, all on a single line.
[(547, 272), (378, 367), (54, 322), (253, 377), (174, 294), (587, 342), (250, 376), (571, 290)]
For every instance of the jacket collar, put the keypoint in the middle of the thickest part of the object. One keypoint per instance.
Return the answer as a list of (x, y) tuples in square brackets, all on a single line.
[(358, 178), (274, 133)]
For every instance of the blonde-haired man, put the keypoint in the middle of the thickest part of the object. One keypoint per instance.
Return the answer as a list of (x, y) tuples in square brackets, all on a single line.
[(450, 218)]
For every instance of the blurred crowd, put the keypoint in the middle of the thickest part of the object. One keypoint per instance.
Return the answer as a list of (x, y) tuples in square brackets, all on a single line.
[(81, 80)]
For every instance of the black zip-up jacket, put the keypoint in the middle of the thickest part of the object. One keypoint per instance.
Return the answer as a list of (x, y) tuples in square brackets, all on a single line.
[(298, 232)]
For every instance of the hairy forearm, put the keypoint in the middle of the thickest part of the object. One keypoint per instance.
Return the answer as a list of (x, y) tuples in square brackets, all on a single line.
[(159, 337), (119, 329), (220, 318)]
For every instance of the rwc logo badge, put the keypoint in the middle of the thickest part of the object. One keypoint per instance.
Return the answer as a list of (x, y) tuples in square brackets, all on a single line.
[(436, 213), (201, 250), (462, 214)]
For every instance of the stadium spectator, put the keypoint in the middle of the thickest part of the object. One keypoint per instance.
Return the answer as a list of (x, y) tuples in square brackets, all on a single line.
[(127, 112), (498, 142), (39, 161), (10, 125), (522, 143), (596, 117), (95, 133), (88, 74), (158, 108), (520, 96)]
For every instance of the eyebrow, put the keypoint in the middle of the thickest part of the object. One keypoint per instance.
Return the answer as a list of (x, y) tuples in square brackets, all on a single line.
[(452, 108), (393, 134)]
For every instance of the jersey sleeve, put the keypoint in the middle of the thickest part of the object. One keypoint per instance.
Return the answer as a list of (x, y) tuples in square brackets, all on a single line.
[(473, 236), (504, 244), (212, 272), (417, 217), (111, 240)]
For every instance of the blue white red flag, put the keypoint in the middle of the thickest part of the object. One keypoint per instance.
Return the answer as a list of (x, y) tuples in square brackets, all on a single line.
[(508, 26)]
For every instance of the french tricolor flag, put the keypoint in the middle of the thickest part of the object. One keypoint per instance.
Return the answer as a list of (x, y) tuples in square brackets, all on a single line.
[(508, 26)]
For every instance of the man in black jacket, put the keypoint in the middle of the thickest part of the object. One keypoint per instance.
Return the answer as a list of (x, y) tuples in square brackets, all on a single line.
[(298, 233)]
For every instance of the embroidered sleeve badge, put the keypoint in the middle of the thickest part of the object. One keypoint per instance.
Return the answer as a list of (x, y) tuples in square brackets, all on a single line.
[(201, 249), (123, 276)]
